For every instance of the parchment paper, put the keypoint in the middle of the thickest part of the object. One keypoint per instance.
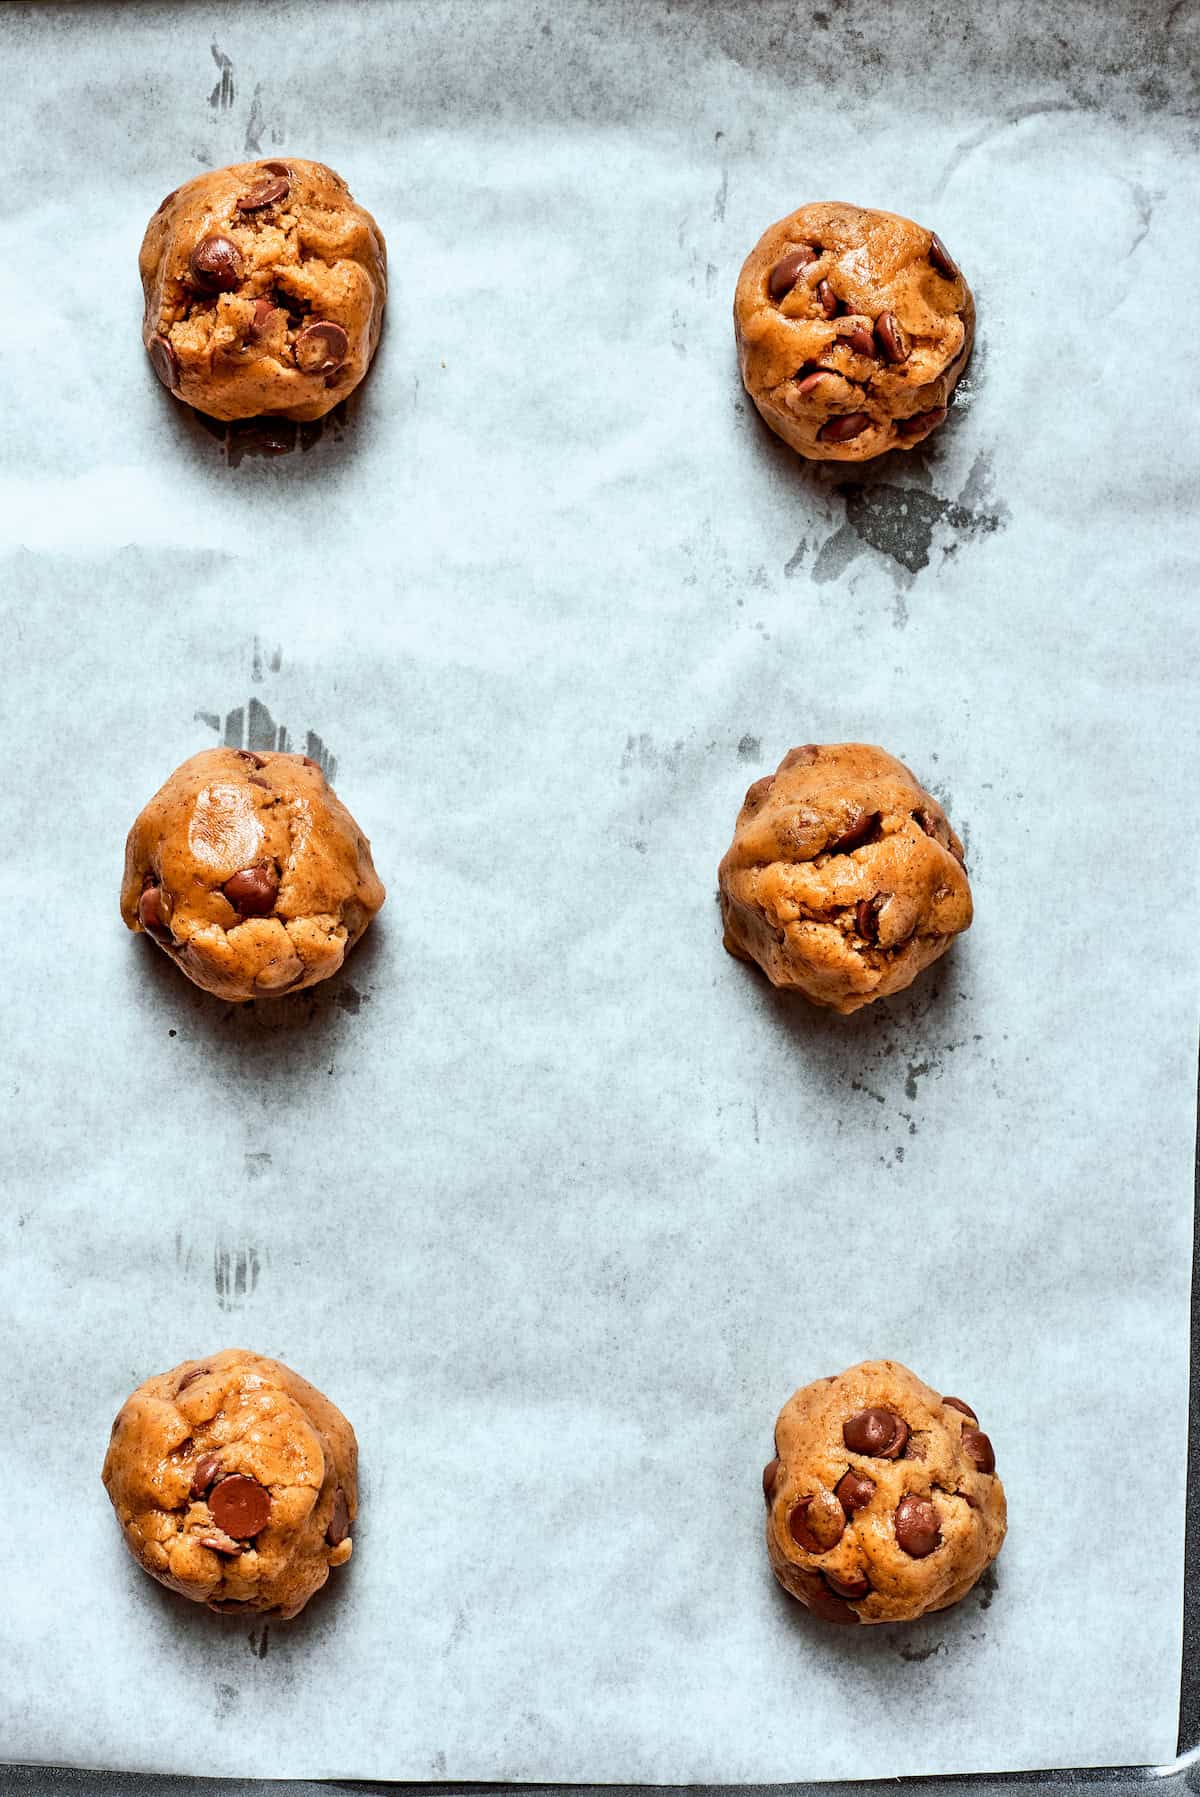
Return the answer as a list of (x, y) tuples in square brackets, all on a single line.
[(557, 1201)]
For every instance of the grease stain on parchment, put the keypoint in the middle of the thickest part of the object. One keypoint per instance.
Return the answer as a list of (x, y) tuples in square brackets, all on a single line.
[(251, 726)]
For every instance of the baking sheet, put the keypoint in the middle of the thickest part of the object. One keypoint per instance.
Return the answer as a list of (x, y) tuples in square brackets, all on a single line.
[(557, 1201)]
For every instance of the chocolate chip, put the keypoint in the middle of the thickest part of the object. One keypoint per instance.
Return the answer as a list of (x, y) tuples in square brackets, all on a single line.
[(917, 1529), (278, 168), (253, 890), (265, 193), (163, 204), (204, 1474), (852, 1587), (941, 258), (806, 382), (339, 1521), (251, 757), (954, 1403), (150, 910), (840, 430), (816, 1525), (878, 1432), (920, 421), (854, 1491), (891, 343), (860, 339), (216, 264), (309, 762), (866, 922), (197, 1372), (786, 272), (827, 299), (321, 347), (855, 833), (240, 1506), (264, 311), (770, 1474), (164, 362), (823, 1603), (979, 1450), (220, 1544)]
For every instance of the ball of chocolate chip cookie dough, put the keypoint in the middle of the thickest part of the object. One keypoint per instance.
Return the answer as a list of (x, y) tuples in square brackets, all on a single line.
[(882, 1499), (250, 873), (853, 327), (264, 289), (235, 1482), (844, 878)]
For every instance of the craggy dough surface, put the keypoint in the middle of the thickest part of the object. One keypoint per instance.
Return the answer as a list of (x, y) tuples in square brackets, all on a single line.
[(234, 1415), (877, 265), (312, 256), (844, 878)]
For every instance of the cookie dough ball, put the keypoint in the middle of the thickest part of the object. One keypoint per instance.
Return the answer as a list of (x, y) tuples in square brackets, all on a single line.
[(882, 1499), (264, 288), (235, 1482), (852, 329), (844, 878), (250, 873)]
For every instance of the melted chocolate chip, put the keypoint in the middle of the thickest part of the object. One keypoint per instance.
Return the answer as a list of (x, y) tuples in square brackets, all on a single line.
[(859, 338), (917, 1529), (941, 258), (197, 1372), (251, 757), (321, 347), (854, 835), (805, 383), (854, 1491), (265, 193), (825, 1604), (955, 1403), (164, 362), (841, 429), (151, 915), (216, 264), (889, 337), (920, 421), (877, 1432), (814, 1525), (253, 890), (204, 1474), (240, 1506), (827, 299), (979, 1451), (787, 271), (339, 1521)]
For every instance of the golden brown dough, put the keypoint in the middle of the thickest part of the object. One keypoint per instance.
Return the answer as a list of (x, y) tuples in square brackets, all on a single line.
[(844, 878), (235, 1482), (264, 289), (853, 328), (250, 873), (882, 1499)]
